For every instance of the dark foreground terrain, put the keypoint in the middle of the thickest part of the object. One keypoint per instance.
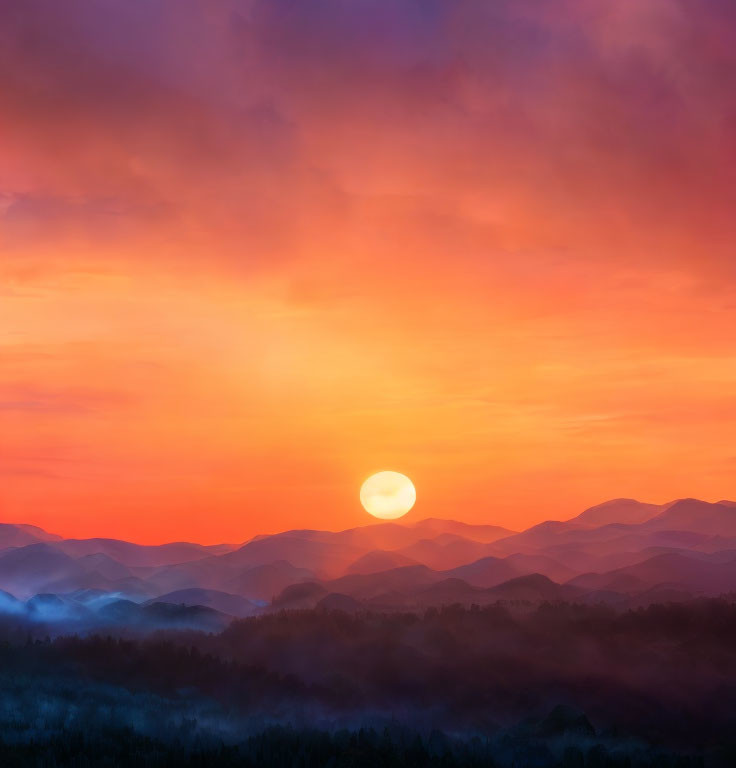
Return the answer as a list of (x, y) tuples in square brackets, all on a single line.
[(513, 685)]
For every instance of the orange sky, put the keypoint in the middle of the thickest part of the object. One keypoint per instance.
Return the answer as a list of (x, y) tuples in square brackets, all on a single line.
[(253, 251)]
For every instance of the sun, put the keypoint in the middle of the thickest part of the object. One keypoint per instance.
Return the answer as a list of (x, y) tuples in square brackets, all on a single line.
[(388, 495)]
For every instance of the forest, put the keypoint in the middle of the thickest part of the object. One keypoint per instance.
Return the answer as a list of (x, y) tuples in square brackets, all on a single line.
[(548, 685)]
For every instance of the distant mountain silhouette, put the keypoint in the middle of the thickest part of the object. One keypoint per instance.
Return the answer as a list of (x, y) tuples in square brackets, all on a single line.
[(625, 511), (445, 551), (364, 586), (622, 552), (534, 588), (482, 533), (486, 572), (544, 564), (140, 554), (21, 535), (27, 570), (265, 581), (538, 537), (699, 516), (418, 589), (302, 552), (160, 615), (105, 566), (232, 605), (379, 560), (707, 576), (51, 608)]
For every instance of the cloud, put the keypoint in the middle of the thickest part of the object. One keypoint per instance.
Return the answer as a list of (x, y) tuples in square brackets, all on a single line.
[(607, 127), (31, 399)]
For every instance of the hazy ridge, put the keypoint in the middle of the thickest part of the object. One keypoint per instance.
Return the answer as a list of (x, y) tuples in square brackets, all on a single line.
[(623, 553)]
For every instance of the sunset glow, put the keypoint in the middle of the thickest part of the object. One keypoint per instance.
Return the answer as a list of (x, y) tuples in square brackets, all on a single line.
[(488, 243)]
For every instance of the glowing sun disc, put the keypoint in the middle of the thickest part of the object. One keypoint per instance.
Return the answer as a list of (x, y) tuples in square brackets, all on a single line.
[(388, 495)]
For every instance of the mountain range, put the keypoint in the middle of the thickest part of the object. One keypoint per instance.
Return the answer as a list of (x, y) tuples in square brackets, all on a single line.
[(623, 552)]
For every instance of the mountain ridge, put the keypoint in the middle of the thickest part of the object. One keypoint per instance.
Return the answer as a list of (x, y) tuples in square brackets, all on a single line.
[(611, 551)]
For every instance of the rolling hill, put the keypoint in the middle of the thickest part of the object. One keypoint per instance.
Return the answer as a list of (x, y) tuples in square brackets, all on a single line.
[(618, 552)]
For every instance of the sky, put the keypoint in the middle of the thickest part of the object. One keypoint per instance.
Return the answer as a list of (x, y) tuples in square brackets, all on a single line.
[(252, 251)]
